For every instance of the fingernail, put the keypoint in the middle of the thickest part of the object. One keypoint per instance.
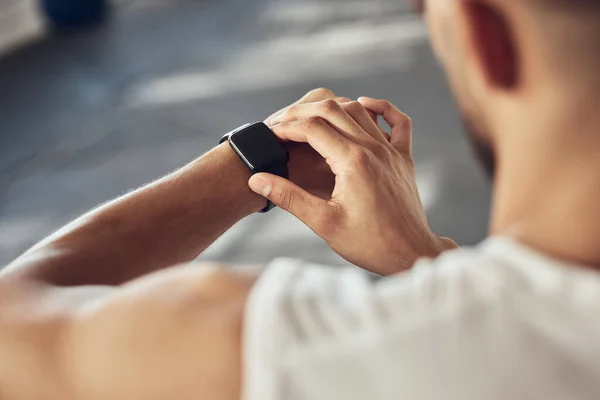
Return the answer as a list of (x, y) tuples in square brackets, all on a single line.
[(260, 185)]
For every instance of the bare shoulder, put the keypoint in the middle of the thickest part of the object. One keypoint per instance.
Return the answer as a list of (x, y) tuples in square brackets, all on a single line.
[(175, 333), (172, 334), (34, 318)]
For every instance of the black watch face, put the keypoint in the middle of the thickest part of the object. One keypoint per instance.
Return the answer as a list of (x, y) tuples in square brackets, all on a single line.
[(259, 147)]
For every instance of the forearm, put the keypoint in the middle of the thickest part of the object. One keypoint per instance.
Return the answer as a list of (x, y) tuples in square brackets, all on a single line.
[(168, 222)]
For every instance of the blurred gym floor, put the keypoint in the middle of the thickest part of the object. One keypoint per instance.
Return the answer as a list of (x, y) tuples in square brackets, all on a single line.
[(86, 117)]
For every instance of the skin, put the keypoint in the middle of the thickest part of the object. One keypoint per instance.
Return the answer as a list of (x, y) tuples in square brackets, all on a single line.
[(525, 76), (78, 319), (374, 171), (97, 311)]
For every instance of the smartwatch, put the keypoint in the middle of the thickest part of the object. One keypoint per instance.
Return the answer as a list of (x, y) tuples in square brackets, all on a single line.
[(260, 150)]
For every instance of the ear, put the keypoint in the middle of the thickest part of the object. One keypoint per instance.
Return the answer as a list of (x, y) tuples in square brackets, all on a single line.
[(492, 41)]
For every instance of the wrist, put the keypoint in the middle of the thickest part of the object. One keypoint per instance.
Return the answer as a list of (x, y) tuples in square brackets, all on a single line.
[(438, 245), (445, 243), (402, 258), (433, 246), (233, 174)]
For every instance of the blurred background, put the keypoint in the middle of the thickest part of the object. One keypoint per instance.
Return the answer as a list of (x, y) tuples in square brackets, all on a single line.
[(87, 114)]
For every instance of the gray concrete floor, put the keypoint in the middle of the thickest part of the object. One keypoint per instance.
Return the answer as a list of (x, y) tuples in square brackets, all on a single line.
[(86, 117)]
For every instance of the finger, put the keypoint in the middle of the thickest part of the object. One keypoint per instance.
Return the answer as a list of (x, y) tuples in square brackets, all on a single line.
[(362, 117), (401, 124), (312, 96), (270, 123), (328, 142), (341, 100), (333, 113), (373, 116), (316, 95), (320, 95), (375, 119), (291, 198)]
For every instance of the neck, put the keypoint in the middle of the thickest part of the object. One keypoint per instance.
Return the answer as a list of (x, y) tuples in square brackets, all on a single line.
[(547, 189)]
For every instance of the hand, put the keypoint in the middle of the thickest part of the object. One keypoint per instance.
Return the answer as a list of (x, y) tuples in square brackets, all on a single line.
[(306, 167), (374, 218)]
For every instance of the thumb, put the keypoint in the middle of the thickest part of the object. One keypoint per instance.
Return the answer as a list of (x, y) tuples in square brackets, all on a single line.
[(289, 197)]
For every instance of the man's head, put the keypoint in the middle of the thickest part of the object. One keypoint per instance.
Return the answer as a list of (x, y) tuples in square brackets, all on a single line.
[(510, 62)]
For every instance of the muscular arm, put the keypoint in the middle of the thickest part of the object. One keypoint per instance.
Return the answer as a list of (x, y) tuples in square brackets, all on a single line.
[(65, 334), (62, 338), (172, 334), (170, 221)]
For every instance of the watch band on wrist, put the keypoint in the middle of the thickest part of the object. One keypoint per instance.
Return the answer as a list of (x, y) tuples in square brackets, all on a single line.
[(260, 150)]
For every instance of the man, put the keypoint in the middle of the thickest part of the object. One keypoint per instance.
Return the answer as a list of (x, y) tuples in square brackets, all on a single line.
[(513, 318)]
